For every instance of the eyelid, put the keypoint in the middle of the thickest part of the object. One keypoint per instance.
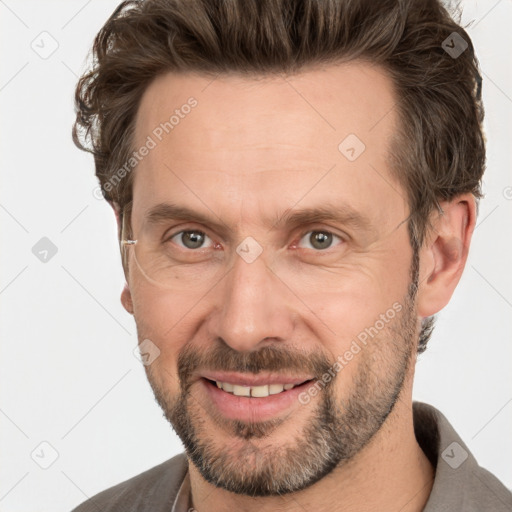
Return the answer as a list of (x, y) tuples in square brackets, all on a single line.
[(171, 233), (326, 229), (168, 237), (343, 238)]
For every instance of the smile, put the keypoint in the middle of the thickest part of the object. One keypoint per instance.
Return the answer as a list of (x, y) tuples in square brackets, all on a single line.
[(255, 391), (240, 399)]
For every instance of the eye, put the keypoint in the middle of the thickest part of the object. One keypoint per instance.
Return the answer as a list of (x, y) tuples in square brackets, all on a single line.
[(190, 239), (193, 239), (319, 240)]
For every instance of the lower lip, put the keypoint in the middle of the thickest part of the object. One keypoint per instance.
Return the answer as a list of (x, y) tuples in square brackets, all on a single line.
[(253, 408)]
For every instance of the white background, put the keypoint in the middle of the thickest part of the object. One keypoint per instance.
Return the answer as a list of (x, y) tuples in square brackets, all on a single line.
[(68, 374)]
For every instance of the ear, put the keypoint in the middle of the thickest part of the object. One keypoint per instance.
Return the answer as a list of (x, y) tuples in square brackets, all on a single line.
[(126, 299), (444, 253), (126, 296), (117, 212)]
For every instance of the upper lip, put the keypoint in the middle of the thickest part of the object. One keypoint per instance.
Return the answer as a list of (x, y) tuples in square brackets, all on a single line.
[(260, 379)]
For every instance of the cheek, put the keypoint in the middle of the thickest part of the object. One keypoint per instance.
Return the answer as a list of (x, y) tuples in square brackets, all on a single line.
[(159, 311), (360, 302), (360, 322), (163, 318)]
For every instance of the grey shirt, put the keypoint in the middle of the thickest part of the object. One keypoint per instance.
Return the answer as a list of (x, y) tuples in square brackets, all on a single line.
[(460, 484)]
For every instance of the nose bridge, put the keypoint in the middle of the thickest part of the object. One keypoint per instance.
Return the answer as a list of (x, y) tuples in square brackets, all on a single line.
[(252, 302)]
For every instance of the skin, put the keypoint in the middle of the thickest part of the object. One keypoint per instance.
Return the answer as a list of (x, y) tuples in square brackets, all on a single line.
[(257, 148)]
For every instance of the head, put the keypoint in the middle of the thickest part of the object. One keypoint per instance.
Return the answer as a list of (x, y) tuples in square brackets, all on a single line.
[(322, 179)]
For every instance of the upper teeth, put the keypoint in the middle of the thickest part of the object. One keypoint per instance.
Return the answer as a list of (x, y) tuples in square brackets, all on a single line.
[(257, 391)]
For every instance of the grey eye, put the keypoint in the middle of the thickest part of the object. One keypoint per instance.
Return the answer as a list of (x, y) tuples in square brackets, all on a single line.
[(190, 239), (319, 240)]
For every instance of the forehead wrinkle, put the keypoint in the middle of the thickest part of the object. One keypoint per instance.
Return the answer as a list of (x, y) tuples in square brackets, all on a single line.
[(291, 218)]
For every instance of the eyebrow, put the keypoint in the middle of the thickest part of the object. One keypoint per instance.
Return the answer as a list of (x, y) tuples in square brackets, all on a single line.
[(291, 218)]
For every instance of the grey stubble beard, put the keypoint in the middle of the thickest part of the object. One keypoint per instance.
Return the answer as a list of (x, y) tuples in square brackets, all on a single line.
[(334, 433)]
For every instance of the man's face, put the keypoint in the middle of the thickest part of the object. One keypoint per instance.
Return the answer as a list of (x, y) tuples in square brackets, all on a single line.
[(324, 299)]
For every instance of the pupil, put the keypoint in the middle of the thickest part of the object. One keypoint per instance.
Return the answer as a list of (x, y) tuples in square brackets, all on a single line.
[(321, 240), (192, 239)]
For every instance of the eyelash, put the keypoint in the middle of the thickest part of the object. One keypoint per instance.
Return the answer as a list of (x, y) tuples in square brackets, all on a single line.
[(302, 235)]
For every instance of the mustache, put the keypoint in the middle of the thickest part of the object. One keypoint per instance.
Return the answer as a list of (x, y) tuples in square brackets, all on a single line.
[(269, 358)]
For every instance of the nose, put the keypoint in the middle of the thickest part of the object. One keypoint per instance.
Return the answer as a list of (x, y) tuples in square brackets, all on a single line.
[(253, 306)]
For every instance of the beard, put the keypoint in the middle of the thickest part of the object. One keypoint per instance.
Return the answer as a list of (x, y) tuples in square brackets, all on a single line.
[(334, 432)]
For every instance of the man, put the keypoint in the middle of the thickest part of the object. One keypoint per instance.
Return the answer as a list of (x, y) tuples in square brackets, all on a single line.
[(296, 189)]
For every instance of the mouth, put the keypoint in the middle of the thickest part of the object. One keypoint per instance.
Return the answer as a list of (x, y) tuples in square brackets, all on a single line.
[(260, 391), (260, 401)]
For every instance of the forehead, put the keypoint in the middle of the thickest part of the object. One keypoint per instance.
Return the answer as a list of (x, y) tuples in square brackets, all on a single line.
[(242, 146)]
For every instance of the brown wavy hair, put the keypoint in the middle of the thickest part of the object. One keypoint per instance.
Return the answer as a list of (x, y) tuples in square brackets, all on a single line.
[(438, 151)]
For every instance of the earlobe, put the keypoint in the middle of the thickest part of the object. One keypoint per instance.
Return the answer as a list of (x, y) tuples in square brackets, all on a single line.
[(444, 255), (126, 299)]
